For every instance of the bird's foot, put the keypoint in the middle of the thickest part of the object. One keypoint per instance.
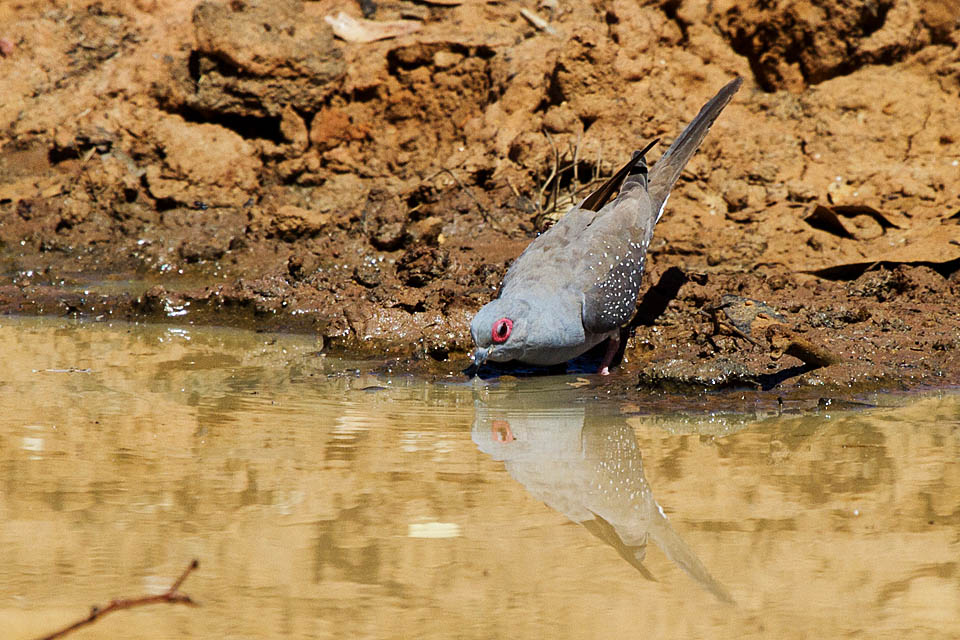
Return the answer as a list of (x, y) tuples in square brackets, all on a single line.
[(500, 429), (613, 345)]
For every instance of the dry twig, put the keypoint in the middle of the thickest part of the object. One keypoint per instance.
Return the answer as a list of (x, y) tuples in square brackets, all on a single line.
[(572, 195), (576, 158), (171, 596), (553, 174)]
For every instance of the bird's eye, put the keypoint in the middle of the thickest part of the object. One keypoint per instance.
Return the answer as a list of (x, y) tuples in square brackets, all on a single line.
[(501, 330)]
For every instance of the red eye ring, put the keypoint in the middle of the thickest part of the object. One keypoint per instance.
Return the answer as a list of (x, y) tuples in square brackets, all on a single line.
[(501, 330)]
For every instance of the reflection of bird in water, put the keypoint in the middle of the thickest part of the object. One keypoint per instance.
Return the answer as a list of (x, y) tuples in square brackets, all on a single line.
[(592, 473)]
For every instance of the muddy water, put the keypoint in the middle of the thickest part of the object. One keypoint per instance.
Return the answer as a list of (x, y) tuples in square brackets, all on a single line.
[(323, 501)]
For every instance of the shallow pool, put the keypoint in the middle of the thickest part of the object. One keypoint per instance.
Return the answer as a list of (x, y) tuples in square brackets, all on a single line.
[(323, 500)]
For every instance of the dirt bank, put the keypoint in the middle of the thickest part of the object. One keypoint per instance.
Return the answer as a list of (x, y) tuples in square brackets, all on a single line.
[(236, 163)]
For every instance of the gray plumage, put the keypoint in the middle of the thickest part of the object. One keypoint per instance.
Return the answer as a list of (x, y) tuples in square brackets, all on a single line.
[(577, 284), (589, 469)]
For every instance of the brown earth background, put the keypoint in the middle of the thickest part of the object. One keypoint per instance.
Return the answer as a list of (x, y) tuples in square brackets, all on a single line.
[(235, 163)]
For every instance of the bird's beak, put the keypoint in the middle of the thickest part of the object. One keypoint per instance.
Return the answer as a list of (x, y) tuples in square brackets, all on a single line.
[(480, 355)]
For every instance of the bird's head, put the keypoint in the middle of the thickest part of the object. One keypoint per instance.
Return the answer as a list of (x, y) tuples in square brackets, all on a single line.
[(499, 330)]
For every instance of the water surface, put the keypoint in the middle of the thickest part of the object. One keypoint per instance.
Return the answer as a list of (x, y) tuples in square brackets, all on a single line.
[(325, 501)]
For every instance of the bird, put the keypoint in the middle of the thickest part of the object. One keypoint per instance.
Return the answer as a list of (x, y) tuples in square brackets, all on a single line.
[(576, 284), (589, 467)]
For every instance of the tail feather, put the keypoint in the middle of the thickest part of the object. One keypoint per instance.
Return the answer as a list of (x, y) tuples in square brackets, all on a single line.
[(678, 551), (638, 175), (596, 200), (670, 165)]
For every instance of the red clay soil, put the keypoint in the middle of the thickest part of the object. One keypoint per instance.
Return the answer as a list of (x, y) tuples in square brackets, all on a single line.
[(235, 163)]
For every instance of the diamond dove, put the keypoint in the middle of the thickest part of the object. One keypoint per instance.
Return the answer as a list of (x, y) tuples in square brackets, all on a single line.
[(576, 284)]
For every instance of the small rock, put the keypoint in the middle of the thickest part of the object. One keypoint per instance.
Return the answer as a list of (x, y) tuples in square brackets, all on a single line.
[(329, 128), (302, 265)]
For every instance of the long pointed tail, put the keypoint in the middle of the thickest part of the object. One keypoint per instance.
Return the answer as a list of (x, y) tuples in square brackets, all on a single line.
[(678, 551), (668, 168)]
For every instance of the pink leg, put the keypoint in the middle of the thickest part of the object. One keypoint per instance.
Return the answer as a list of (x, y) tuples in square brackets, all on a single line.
[(613, 345), (501, 431)]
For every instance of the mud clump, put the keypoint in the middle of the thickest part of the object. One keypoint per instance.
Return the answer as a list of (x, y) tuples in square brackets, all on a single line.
[(385, 220), (242, 166), (421, 265), (793, 45), (256, 60)]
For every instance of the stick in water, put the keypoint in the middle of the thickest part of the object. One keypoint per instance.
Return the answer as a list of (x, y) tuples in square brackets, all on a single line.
[(171, 596)]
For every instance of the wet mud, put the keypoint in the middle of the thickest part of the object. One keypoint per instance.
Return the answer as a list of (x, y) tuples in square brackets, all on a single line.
[(235, 163)]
